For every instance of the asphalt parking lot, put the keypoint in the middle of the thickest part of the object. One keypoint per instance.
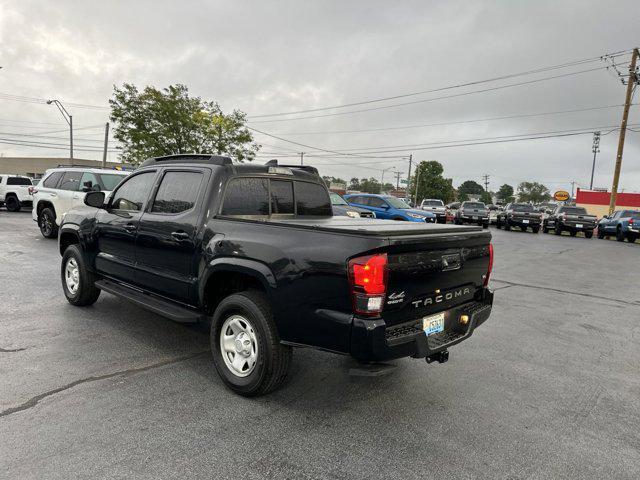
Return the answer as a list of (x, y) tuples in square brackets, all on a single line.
[(547, 388)]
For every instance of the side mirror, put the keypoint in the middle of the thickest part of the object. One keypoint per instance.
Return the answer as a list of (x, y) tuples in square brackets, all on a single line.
[(94, 199)]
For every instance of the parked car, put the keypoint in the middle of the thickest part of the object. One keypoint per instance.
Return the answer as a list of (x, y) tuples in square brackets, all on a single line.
[(341, 207), (389, 207), (255, 250), (436, 207), (14, 192), (570, 219), (452, 209), (472, 212), (522, 215), (624, 224), (63, 188)]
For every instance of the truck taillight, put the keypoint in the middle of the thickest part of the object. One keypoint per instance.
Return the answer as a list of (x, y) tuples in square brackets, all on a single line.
[(368, 279), (631, 221), (490, 266)]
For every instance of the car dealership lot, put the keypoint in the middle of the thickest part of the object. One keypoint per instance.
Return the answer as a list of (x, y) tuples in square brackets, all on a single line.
[(547, 388)]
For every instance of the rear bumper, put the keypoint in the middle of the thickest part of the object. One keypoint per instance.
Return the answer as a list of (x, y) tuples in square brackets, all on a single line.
[(477, 221), (532, 222), (371, 340)]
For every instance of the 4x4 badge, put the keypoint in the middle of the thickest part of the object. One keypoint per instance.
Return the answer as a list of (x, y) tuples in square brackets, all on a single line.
[(395, 297)]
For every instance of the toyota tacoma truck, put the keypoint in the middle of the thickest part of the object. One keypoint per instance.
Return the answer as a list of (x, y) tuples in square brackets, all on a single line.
[(567, 218), (256, 251), (472, 212), (624, 224), (521, 215)]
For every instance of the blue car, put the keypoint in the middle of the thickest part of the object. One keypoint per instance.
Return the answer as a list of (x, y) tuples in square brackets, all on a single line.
[(390, 208), (624, 224)]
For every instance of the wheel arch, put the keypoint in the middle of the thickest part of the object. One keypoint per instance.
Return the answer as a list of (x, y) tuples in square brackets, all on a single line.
[(42, 204), (225, 276), (68, 236)]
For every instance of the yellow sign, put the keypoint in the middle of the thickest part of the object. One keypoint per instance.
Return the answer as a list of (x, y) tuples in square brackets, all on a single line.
[(561, 196)]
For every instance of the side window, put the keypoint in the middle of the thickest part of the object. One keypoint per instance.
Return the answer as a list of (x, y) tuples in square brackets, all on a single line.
[(52, 180), (89, 177), (281, 196), (247, 196), (357, 200), (18, 181), (177, 192), (133, 192), (376, 202), (71, 181), (312, 199)]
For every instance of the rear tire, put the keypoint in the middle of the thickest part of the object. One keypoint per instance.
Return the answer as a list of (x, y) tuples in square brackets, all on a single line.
[(631, 238), (507, 226), (573, 233), (47, 223), (12, 204), (253, 362), (535, 229), (558, 230), (78, 283), (600, 233), (588, 234)]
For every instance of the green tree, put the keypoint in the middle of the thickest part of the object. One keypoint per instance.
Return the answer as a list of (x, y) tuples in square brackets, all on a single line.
[(533, 192), (154, 122), (388, 187), (369, 185), (505, 193), (470, 187), (485, 198), (354, 184), (462, 197), (431, 183)]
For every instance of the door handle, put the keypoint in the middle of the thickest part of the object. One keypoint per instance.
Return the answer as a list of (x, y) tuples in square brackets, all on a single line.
[(180, 235), (53, 194), (130, 227), (76, 196)]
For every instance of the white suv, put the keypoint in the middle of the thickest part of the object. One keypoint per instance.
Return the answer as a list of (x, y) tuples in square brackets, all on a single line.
[(14, 192), (63, 188)]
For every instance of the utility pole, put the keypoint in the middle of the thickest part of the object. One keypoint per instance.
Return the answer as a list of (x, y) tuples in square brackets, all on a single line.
[(415, 195), (409, 174), (301, 158), (573, 183), (633, 78), (595, 148), (106, 142), (485, 177), (398, 180)]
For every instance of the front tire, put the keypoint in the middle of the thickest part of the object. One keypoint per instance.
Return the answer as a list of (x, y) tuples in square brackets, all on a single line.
[(78, 283), (558, 230), (47, 223), (619, 235), (12, 204), (507, 226), (600, 233), (246, 347), (588, 234)]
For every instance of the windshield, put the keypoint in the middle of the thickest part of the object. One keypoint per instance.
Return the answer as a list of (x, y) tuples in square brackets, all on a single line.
[(573, 210), (397, 203), (432, 203), (473, 205), (337, 199), (522, 207), (109, 181), (630, 213)]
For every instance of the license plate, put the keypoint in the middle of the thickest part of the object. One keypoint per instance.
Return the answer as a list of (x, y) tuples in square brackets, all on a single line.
[(474, 218), (578, 225), (525, 221), (433, 323)]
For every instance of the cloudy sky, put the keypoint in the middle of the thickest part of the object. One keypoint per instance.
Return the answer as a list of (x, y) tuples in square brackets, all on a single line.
[(286, 56)]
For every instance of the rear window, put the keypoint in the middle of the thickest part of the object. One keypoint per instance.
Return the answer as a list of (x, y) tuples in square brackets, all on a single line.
[(18, 181), (473, 205), (573, 210), (52, 180), (522, 207), (312, 199), (247, 196), (432, 203), (281, 197)]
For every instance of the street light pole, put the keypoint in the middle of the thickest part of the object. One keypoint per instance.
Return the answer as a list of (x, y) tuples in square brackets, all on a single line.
[(69, 119), (595, 149)]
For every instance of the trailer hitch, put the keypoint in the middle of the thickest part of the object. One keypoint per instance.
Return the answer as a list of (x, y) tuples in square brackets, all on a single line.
[(440, 357)]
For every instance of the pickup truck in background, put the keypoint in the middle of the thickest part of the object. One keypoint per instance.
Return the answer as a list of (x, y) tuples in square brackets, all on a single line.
[(472, 212), (436, 207), (256, 251), (521, 215), (623, 224), (14, 192), (566, 218)]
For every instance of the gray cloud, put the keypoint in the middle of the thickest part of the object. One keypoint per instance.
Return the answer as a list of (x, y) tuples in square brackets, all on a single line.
[(265, 57)]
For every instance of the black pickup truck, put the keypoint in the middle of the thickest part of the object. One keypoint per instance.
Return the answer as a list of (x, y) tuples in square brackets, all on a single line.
[(567, 218), (255, 250), (520, 215)]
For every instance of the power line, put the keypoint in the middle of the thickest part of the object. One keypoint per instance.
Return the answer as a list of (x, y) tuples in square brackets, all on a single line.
[(449, 87), (459, 122)]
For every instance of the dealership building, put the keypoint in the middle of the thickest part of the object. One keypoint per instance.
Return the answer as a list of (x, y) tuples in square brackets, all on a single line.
[(35, 167), (597, 202)]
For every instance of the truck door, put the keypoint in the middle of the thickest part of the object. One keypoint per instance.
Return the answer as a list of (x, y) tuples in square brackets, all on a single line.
[(117, 227), (166, 244)]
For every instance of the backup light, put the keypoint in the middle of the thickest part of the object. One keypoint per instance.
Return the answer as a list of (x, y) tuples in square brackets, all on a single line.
[(368, 278)]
